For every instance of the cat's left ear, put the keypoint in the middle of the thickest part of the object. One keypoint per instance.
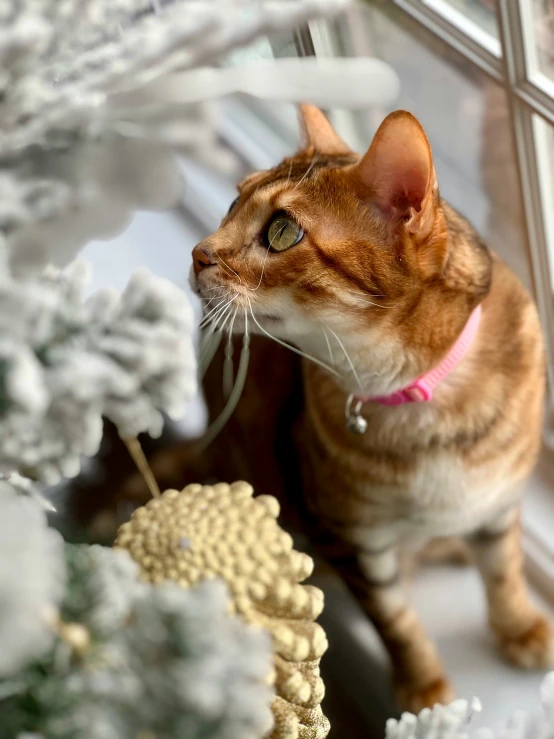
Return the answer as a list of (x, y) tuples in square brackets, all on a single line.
[(318, 133), (398, 176)]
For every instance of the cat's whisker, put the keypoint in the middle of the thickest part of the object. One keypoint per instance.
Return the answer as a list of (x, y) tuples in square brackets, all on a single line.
[(307, 172), (211, 289), (279, 232), (211, 312), (228, 362), (222, 318), (377, 305), (217, 312), (329, 347), (236, 392), (363, 294), (289, 346), (210, 345), (290, 171), (226, 265), (226, 316), (212, 338), (348, 359), (210, 300), (362, 297)]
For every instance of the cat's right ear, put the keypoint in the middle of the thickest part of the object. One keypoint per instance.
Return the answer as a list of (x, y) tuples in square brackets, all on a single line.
[(318, 133)]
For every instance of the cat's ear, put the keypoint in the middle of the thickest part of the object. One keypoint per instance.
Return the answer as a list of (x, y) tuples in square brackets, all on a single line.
[(318, 133), (398, 176)]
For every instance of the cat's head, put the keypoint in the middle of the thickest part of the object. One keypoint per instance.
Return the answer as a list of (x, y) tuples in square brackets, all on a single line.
[(330, 249)]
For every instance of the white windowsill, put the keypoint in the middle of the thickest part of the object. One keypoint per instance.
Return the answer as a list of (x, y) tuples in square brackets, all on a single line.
[(539, 499), (451, 605)]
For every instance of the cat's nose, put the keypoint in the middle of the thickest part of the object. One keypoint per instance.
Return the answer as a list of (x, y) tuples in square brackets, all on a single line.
[(202, 257)]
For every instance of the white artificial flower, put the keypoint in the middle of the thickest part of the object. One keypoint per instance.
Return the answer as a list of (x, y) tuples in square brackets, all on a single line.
[(453, 721)]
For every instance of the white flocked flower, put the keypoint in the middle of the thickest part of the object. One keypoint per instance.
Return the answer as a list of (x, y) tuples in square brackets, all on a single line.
[(454, 721)]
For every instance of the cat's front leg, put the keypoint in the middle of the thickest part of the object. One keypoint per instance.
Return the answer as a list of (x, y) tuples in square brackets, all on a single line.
[(526, 635), (374, 577)]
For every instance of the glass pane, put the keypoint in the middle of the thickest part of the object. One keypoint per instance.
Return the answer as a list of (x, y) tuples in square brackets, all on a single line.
[(544, 137), (480, 12), (541, 33), (466, 117)]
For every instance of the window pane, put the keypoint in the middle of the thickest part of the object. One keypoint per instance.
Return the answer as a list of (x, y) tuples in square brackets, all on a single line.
[(480, 12), (544, 137), (541, 35), (467, 120)]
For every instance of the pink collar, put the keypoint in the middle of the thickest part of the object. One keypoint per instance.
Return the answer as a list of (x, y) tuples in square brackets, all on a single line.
[(422, 389)]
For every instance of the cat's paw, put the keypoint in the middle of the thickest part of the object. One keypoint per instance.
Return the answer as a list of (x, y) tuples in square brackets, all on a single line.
[(534, 648), (414, 697)]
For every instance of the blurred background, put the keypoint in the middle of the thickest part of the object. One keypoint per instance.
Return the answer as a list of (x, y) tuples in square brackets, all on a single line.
[(479, 75)]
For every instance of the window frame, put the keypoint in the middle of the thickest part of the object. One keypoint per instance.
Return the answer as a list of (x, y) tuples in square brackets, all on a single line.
[(516, 72)]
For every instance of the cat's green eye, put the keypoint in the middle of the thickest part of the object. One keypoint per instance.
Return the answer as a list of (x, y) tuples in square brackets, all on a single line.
[(283, 232)]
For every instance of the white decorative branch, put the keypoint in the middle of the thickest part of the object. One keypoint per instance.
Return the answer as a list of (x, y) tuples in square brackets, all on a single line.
[(67, 363), (32, 580), (97, 97)]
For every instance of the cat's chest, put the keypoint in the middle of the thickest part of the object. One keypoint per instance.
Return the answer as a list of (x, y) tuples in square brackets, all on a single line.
[(401, 474), (440, 497)]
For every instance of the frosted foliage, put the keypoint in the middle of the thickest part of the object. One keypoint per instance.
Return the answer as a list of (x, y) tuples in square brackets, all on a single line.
[(102, 585), (163, 661), (452, 722), (15, 484), (66, 362), (63, 60), (88, 127), (184, 668), (53, 201), (32, 579)]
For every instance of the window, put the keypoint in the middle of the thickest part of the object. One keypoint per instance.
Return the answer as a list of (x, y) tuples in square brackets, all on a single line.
[(544, 136), (538, 19), (517, 88), (480, 76), (467, 117)]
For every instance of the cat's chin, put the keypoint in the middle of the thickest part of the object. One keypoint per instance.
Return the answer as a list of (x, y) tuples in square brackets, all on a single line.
[(269, 318)]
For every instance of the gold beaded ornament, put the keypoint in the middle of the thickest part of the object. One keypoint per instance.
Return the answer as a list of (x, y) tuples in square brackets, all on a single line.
[(222, 531)]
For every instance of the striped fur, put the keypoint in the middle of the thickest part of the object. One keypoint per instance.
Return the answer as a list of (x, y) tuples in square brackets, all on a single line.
[(387, 273)]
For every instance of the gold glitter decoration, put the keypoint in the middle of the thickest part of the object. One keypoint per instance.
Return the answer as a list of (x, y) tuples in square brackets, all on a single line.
[(222, 531)]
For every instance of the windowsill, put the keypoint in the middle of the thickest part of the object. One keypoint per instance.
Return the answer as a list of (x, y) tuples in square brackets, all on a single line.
[(538, 508), (451, 605)]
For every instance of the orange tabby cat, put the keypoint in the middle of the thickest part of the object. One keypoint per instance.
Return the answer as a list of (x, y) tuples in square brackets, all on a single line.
[(361, 265)]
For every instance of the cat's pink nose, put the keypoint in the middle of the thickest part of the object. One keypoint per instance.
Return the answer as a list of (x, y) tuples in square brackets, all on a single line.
[(202, 258)]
